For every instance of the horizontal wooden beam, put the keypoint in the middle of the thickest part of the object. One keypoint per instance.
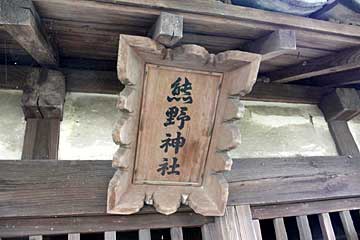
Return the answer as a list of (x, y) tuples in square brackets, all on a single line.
[(275, 44), (68, 188), (20, 19), (93, 224), (304, 208), (338, 79), (96, 81), (345, 60)]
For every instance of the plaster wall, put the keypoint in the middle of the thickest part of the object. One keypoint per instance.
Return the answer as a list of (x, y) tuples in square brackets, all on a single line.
[(12, 124)]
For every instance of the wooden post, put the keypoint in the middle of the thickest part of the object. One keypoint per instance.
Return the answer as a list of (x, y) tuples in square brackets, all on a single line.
[(176, 233), (280, 230), (74, 236), (110, 236), (20, 19), (326, 226), (348, 225), (43, 103), (338, 107), (144, 234), (304, 227)]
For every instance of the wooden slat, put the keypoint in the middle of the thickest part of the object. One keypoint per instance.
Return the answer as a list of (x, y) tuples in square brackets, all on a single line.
[(38, 237), (304, 208), (110, 236), (345, 143), (304, 228), (257, 228), (41, 139), (94, 224), (228, 225), (345, 60), (326, 226), (144, 234), (24, 25), (280, 230), (246, 227), (210, 231), (337, 79), (275, 44), (176, 233), (74, 236), (348, 225), (80, 187)]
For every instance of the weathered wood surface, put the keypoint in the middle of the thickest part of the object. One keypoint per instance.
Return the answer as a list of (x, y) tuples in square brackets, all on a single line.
[(275, 44), (210, 231), (41, 140), (341, 104), (344, 60), (304, 208), (144, 234), (348, 225), (74, 236), (344, 140), (304, 227), (93, 224), (110, 235), (80, 187), (257, 229), (20, 19), (338, 79), (326, 227), (43, 94), (280, 230), (168, 29), (176, 233)]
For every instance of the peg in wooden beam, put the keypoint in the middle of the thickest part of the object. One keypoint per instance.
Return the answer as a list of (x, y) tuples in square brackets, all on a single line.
[(44, 94), (277, 43), (168, 29), (341, 104), (20, 19)]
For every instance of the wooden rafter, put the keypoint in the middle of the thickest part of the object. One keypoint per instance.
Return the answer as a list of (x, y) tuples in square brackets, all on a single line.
[(20, 19)]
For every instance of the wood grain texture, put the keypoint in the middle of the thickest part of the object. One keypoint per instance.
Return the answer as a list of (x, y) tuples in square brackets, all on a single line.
[(345, 143), (304, 208), (168, 29), (23, 24), (341, 104), (244, 217), (176, 233), (275, 44), (144, 234), (257, 229), (280, 230), (43, 94), (326, 227), (74, 236), (303, 227), (96, 223), (210, 231), (209, 195), (348, 225), (345, 60), (41, 140)]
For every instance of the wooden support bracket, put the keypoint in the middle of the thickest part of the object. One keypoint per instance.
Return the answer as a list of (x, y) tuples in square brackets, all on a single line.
[(20, 19), (275, 44), (168, 29)]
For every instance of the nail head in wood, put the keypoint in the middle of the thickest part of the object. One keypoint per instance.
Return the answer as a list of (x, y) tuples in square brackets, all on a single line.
[(168, 29)]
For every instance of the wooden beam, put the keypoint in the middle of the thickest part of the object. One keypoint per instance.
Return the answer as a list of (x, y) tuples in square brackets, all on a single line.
[(68, 188), (275, 44), (326, 227), (20, 19), (95, 81), (304, 208), (168, 29), (344, 60), (338, 79), (93, 224), (286, 93), (341, 104), (344, 140)]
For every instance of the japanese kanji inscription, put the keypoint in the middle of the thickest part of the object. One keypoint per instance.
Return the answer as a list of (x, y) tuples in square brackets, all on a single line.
[(178, 114)]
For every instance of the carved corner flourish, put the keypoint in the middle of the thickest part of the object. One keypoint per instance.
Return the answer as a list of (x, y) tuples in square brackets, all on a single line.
[(239, 72)]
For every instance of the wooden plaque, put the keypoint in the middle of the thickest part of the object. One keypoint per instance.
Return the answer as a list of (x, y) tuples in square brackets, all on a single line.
[(178, 113)]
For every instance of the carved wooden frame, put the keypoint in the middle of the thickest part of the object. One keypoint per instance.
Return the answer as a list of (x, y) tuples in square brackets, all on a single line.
[(239, 74)]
